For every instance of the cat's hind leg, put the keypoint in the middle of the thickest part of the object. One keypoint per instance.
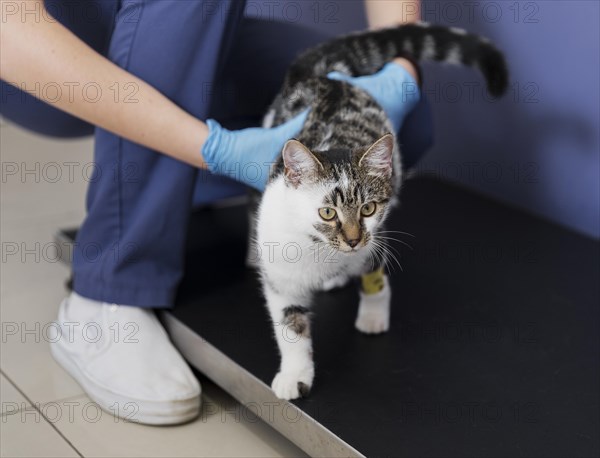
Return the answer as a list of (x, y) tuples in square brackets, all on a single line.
[(291, 323), (374, 306)]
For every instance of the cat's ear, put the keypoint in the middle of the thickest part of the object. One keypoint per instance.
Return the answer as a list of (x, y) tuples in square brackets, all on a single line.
[(300, 164), (378, 158)]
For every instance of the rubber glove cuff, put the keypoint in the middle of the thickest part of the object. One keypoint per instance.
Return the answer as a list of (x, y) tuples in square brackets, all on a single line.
[(246, 155)]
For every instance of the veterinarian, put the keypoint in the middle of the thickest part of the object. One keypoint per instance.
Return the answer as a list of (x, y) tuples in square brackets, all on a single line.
[(144, 76)]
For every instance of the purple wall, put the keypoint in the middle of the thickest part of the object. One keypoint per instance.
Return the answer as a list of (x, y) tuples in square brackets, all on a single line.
[(538, 147)]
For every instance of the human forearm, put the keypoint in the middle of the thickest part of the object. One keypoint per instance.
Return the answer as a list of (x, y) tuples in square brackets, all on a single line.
[(387, 13), (37, 53)]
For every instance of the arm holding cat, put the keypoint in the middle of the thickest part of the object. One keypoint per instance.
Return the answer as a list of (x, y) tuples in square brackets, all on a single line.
[(41, 52), (388, 13)]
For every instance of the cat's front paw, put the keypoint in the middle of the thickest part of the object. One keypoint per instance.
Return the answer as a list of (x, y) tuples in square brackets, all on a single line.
[(373, 323), (292, 385), (374, 311)]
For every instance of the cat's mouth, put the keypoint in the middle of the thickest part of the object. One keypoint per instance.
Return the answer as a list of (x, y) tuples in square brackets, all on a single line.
[(343, 247)]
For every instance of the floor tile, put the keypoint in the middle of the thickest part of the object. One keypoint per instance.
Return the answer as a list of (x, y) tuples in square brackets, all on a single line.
[(224, 429), (42, 176), (25, 352), (33, 208), (26, 433), (10, 398), (31, 291)]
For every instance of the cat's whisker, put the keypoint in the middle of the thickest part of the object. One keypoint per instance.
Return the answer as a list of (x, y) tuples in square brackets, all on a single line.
[(379, 257), (372, 260), (373, 255), (395, 240), (385, 252), (320, 246), (382, 255), (397, 232), (391, 246), (386, 249)]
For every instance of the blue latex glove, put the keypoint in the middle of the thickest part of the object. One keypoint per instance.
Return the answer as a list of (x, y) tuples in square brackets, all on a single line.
[(247, 154), (392, 87)]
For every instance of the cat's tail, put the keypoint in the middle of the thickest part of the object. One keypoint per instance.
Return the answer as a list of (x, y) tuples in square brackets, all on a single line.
[(365, 53)]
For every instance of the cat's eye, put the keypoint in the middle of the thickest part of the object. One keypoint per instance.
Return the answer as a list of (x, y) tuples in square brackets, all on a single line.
[(368, 209), (327, 213)]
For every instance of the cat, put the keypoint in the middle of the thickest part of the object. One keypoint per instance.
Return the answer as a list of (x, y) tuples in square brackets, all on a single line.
[(321, 218)]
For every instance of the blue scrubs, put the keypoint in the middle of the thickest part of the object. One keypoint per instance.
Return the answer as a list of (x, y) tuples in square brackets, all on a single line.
[(211, 61)]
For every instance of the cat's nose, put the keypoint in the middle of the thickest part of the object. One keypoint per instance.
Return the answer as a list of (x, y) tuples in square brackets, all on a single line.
[(352, 242)]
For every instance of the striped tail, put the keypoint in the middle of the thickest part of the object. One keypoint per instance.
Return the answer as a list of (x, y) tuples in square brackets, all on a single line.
[(365, 53)]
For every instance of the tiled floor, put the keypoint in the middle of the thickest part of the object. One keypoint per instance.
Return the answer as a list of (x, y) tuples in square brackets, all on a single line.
[(44, 412)]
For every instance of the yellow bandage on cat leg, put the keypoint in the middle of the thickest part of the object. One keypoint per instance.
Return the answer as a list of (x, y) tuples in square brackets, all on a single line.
[(373, 282)]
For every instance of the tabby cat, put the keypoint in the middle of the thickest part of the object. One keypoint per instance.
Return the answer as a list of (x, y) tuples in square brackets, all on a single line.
[(321, 218)]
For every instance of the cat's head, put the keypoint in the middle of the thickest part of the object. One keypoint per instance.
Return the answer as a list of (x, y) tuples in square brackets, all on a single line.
[(344, 196)]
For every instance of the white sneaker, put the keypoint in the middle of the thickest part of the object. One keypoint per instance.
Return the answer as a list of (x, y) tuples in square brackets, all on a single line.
[(123, 359)]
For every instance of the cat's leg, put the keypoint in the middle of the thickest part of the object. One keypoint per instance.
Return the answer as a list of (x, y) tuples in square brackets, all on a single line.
[(291, 324), (335, 282), (374, 306)]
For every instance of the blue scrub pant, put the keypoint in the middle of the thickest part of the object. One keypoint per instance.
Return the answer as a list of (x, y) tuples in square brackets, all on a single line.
[(211, 61)]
